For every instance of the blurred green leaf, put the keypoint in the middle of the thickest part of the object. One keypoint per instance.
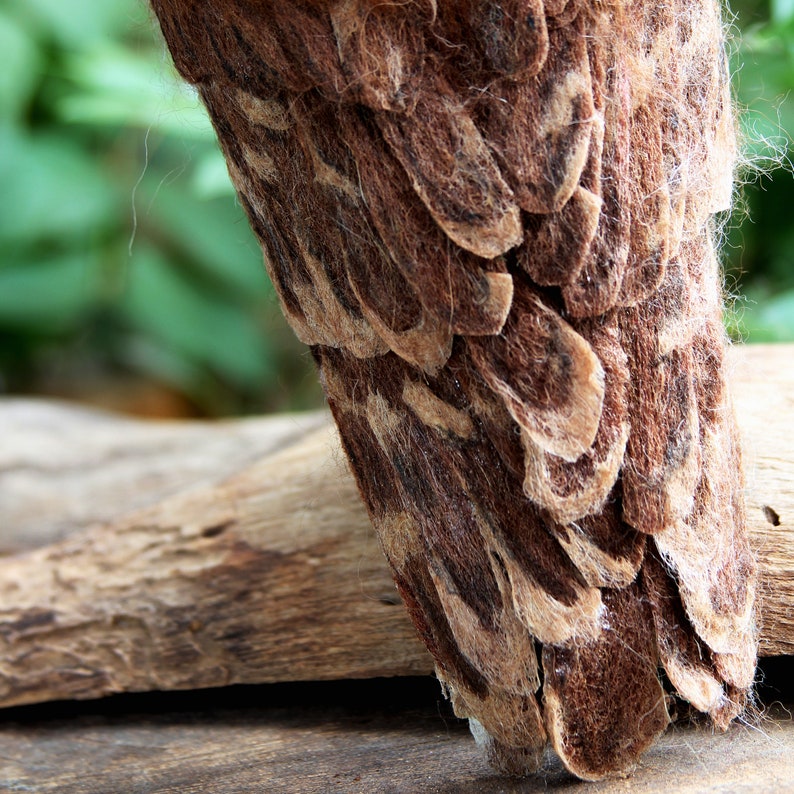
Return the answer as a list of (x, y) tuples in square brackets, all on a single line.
[(116, 86), (52, 189), (21, 66), (211, 177), (764, 140), (764, 76), (770, 320), (212, 234), (191, 322), (782, 10), (48, 295), (76, 22)]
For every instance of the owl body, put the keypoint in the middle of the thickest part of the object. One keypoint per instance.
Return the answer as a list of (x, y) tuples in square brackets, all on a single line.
[(491, 222)]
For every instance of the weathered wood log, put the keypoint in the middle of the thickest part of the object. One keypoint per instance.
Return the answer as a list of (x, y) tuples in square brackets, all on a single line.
[(272, 573), (199, 555), (64, 467)]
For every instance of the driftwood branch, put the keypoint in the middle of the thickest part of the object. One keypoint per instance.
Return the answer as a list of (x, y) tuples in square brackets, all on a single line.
[(143, 555)]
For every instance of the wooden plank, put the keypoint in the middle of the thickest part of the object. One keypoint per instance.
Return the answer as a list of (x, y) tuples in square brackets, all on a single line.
[(265, 569), (344, 737)]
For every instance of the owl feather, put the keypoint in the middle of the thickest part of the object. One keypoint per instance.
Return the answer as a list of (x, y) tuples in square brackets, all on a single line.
[(492, 224)]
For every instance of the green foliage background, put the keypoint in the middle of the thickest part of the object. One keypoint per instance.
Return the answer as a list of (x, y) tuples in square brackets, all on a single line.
[(125, 259)]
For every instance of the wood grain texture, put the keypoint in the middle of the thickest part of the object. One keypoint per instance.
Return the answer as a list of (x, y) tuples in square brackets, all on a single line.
[(64, 467), (374, 737), (200, 589), (264, 567), (763, 389)]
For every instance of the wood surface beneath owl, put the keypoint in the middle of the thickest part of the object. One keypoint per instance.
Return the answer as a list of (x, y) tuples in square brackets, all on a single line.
[(193, 555), (363, 737)]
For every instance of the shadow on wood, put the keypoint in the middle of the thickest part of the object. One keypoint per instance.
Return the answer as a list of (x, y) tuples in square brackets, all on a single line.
[(356, 737)]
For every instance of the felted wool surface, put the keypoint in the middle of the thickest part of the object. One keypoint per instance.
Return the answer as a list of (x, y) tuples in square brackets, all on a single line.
[(492, 223)]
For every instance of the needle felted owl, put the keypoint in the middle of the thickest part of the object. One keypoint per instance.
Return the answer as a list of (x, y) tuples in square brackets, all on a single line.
[(492, 223)]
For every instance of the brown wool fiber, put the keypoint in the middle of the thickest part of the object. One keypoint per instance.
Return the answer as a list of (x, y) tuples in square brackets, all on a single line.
[(491, 221)]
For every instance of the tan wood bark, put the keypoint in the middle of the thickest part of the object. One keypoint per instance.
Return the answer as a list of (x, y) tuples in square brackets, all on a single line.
[(196, 555)]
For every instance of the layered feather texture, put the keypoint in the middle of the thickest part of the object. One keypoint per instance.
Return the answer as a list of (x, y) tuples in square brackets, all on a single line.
[(491, 222)]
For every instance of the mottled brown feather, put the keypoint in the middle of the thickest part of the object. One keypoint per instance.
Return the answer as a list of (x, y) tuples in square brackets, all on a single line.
[(491, 222)]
